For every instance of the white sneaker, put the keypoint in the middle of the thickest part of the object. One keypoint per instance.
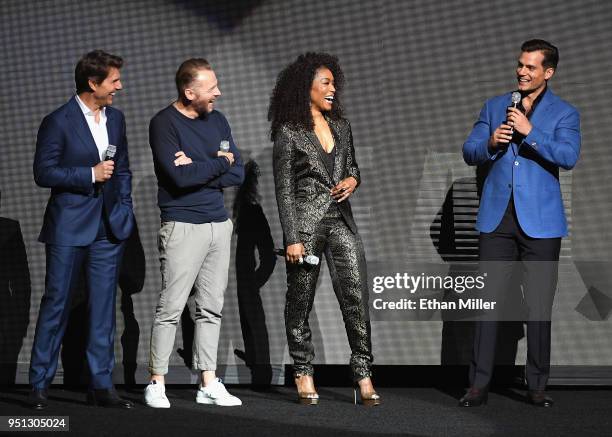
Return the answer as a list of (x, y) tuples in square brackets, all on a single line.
[(216, 394), (155, 395)]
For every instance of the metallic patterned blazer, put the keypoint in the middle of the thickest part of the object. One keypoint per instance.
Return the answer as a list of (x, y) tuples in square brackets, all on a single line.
[(303, 182)]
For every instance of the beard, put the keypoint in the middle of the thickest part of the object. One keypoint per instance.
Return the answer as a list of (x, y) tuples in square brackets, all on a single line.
[(201, 108)]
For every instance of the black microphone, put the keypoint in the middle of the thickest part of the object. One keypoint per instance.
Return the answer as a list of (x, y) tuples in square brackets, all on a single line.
[(109, 155), (313, 260)]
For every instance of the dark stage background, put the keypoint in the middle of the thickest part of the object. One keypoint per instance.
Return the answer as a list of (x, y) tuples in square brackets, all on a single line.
[(417, 75)]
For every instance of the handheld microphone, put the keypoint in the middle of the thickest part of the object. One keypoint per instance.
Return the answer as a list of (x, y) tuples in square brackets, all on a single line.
[(109, 155), (516, 98), (224, 146), (312, 260)]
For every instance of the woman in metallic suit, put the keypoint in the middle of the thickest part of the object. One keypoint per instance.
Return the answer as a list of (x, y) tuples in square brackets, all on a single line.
[(315, 173)]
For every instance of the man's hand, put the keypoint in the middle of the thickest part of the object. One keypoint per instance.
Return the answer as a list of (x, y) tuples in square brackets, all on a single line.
[(344, 189), (228, 155), (181, 159), (294, 252), (500, 138), (104, 170), (519, 121)]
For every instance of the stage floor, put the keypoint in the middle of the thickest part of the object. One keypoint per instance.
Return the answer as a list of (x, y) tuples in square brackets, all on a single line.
[(405, 411)]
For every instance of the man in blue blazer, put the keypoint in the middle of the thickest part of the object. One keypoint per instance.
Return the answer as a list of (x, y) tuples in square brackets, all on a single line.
[(88, 217), (521, 215)]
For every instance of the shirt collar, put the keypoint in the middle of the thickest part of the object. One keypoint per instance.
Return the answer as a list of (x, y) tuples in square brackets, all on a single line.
[(538, 99), (535, 103), (87, 111)]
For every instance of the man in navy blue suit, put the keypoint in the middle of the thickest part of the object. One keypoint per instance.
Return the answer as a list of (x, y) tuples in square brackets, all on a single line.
[(521, 215), (88, 217)]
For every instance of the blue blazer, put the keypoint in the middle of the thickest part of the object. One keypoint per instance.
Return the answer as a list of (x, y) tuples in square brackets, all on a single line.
[(65, 154), (530, 169)]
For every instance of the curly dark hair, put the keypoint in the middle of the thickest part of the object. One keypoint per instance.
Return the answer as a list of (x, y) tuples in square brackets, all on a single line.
[(290, 99)]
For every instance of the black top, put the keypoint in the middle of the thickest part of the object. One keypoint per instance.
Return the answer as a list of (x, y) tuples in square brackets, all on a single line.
[(329, 159), (192, 193)]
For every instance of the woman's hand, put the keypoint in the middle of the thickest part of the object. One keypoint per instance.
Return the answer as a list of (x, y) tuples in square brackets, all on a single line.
[(294, 252), (344, 189)]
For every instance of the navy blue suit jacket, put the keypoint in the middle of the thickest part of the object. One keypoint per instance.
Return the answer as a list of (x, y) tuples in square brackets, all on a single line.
[(530, 169), (65, 154)]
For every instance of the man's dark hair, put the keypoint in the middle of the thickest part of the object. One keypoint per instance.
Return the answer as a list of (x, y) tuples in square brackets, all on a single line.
[(94, 66), (551, 53), (187, 72)]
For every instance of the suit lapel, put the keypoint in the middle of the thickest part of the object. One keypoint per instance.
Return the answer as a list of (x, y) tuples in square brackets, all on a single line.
[(82, 129), (539, 115), (111, 127), (339, 145)]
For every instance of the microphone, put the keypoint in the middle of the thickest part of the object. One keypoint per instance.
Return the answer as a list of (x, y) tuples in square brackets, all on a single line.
[(312, 260), (516, 98), (109, 155), (224, 146)]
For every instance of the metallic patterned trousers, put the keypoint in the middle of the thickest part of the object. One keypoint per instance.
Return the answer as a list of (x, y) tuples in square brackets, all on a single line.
[(347, 265)]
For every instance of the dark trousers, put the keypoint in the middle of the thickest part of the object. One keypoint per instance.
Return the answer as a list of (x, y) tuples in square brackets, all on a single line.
[(508, 243), (64, 263), (346, 261)]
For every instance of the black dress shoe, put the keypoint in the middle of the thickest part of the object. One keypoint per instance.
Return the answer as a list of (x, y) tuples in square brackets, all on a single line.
[(108, 398), (474, 397), (37, 399), (539, 398)]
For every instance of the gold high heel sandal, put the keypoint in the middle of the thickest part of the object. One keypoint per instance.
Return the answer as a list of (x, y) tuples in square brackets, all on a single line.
[(304, 397), (370, 399)]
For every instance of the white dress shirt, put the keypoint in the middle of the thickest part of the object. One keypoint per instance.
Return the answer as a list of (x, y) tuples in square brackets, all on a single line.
[(98, 130)]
